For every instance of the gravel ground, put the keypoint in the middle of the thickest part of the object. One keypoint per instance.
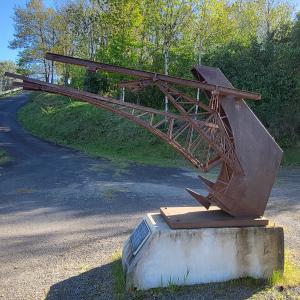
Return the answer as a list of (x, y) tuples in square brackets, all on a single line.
[(64, 214)]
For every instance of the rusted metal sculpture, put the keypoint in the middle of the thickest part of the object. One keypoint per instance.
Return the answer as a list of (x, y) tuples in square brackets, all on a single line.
[(223, 132)]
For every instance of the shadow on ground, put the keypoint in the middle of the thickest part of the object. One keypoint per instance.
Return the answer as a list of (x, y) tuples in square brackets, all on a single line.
[(93, 284), (98, 284)]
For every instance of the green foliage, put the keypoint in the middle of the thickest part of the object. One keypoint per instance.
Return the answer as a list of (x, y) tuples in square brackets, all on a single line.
[(5, 82), (290, 276), (95, 82), (34, 35), (291, 156), (119, 283), (265, 67)]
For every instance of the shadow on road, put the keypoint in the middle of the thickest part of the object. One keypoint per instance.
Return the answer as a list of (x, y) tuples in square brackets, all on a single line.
[(93, 284)]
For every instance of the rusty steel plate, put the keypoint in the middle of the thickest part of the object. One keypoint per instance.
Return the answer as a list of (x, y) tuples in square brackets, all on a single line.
[(198, 217)]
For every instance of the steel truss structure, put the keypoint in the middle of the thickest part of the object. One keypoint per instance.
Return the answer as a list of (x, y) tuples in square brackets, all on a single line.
[(221, 131)]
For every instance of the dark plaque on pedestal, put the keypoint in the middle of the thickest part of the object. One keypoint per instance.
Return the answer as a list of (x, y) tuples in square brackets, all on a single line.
[(139, 237)]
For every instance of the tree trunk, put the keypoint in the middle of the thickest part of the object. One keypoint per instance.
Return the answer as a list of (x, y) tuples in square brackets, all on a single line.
[(46, 71), (52, 71), (200, 52), (66, 76), (166, 70)]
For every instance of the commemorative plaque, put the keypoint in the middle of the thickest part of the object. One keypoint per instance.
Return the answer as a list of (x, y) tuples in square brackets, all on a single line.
[(139, 236)]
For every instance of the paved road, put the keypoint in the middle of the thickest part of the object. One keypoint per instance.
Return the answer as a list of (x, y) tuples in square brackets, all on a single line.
[(63, 214)]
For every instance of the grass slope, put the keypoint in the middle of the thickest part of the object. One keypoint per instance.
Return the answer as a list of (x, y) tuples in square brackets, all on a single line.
[(94, 131), (101, 133)]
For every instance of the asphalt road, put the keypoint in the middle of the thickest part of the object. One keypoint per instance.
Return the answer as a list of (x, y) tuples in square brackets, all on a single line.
[(63, 214)]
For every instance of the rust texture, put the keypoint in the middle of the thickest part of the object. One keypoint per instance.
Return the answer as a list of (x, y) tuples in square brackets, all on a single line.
[(194, 217), (221, 131)]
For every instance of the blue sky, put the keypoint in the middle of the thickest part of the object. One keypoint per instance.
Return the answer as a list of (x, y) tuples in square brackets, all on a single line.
[(7, 28)]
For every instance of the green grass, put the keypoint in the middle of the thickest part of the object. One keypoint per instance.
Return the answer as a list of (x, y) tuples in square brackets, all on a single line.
[(94, 131), (279, 286), (119, 284), (4, 157), (101, 133), (291, 157), (291, 275)]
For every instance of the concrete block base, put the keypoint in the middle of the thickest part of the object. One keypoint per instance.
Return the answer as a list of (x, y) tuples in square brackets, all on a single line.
[(157, 256)]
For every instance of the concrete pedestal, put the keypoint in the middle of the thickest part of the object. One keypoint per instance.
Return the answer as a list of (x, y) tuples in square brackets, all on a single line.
[(157, 256)]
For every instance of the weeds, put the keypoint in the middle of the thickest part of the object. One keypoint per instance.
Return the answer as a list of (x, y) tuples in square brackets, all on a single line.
[(4, 157), (119, 285), (291, 275)]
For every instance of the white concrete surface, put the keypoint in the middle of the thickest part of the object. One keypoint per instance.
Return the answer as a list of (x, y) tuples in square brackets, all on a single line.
[(186, 257)]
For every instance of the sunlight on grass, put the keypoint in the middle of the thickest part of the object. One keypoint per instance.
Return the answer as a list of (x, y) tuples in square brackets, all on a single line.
[(85, 268), (291, 275), (118, 276)]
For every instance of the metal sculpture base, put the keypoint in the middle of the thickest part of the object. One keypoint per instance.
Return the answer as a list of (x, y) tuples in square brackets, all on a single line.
[(199, 217), (155, 255)]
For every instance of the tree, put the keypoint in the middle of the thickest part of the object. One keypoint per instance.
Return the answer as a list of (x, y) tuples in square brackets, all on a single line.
[(70, 34), (34, 35), (215, 25), (273, 15), (168, 19), (6, 66), (264, 67)]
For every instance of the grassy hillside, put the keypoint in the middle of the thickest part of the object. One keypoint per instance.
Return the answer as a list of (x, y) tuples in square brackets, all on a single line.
[(101, 133), (94, 131)]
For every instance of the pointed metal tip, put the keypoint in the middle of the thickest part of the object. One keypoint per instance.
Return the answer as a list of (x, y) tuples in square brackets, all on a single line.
[(201, 199)]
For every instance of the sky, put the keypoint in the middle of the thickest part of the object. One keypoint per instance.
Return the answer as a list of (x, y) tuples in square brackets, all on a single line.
[(7, 27)]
